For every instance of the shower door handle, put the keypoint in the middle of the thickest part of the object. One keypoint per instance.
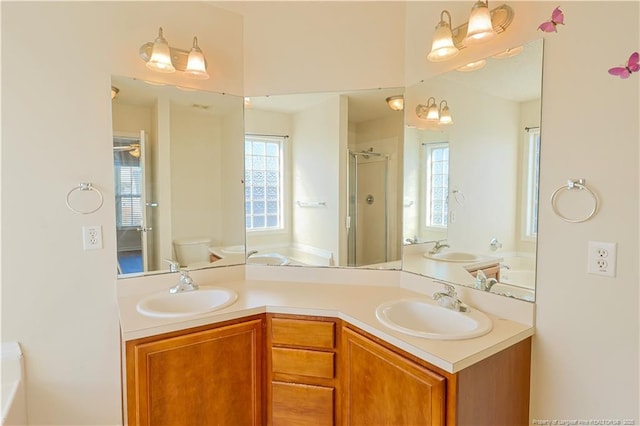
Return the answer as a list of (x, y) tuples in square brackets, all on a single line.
[(370, 199)]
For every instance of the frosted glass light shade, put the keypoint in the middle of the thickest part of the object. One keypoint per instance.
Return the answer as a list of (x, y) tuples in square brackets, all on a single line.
[(160, 55), (445, 115), (442, 47), (396, 103), (196, 65), (480, 28)]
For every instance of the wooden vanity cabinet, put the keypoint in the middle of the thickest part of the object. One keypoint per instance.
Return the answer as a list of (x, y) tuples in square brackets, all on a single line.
[(209, 375), (302, 380), (382, 384)]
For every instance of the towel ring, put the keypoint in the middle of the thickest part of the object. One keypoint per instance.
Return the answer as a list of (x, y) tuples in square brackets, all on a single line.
[(84, 186), (459, 197), (571, 185)]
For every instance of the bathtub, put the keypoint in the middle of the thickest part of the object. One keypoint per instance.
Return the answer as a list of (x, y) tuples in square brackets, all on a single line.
[(14, 402), (520, 277)]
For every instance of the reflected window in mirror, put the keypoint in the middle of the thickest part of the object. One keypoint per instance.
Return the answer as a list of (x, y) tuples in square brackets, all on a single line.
[(436, 166), (264, 179), (532, 168)]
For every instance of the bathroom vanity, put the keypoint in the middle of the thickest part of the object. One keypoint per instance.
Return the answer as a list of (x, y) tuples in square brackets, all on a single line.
[(297, 353)]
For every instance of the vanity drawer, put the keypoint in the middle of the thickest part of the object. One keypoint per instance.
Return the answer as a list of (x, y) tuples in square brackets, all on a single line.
[(295, 332), (303, 363), (296, 404)]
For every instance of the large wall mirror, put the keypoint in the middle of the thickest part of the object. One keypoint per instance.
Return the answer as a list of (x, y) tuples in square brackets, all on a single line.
[(178, 168), (470, 187), (323, 179)]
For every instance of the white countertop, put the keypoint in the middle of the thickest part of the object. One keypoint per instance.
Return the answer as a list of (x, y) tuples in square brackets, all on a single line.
[(355, 304)]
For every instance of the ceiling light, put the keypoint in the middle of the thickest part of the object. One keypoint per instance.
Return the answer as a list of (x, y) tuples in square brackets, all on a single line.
[(114, 92), (161, 57), (509, 53), (396, 103), (442, 47), (473, 66), (480, 28)]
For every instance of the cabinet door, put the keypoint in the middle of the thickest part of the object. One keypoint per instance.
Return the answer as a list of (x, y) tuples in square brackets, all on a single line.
[(380, 387), (210, 377)]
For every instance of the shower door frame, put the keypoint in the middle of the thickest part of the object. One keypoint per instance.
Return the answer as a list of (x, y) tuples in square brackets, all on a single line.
[(352, 216)]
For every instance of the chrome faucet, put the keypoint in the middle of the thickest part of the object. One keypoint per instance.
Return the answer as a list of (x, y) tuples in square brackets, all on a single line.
[(449, 299), (413, 240), (483, 283), (437, 247), (251, 253), (185, 283), (173, 265), (494, 244)]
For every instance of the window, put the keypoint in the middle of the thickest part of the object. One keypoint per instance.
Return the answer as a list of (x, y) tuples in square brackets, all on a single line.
[(532, 168), (263, 183), (128, 188), (436, 184)]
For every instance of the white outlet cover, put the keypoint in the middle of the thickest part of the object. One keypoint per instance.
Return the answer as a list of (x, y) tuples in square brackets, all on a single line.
[(601, 258)]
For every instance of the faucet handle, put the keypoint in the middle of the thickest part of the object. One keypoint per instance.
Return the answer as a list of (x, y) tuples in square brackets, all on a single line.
[(450, 290), (173, 265)]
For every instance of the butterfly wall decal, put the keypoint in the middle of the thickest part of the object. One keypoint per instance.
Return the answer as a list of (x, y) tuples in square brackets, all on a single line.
[(633, 65), (557, 18)]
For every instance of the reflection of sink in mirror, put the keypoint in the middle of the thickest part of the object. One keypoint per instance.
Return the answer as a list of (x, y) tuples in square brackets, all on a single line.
[(453, 256), (514, 291), (268, 259), (201, 301), (422, 317)]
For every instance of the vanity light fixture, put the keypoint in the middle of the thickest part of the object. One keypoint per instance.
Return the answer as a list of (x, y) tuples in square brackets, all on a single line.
[(114, 92), (161, 57), (480, 28), (445, 113), (431, 113), (472, 66), (483, 24), (396, 102), (442, 47)]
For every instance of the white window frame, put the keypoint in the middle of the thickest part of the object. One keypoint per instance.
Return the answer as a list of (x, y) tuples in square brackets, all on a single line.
[(427, 189), (281, 190)]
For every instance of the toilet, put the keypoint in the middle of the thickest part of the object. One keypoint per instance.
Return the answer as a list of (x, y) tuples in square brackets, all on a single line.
[(192, 251)]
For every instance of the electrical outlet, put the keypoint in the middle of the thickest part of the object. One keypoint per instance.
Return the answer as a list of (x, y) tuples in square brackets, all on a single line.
[(92, 237), (601, 258)]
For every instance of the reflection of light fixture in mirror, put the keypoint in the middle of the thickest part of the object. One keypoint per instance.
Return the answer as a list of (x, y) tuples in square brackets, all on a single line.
[(133, 149), (472, 66), (161, 57), (445, 114), (509, 53), (480, 28), (396, 103), (114, 92), (429, 111), (442, 47)]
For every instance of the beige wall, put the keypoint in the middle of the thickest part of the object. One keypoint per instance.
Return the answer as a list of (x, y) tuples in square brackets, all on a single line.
[(585, 361)]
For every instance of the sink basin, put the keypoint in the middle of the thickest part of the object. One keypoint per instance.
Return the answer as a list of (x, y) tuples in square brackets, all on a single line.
[(201, 301), (453, 256), (422, 317), (268, 259)]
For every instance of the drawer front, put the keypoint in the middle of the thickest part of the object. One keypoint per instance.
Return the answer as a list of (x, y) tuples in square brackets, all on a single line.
[(302, 362), (303, 405), (315, 334)]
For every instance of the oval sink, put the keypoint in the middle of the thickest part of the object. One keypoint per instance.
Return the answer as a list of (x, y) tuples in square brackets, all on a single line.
[(268, 259), (453, 256), (201, 301), (422, 317)]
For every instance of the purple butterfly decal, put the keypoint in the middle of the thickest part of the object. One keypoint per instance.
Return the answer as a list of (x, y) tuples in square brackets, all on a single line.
[(633, 65), (557, 18)]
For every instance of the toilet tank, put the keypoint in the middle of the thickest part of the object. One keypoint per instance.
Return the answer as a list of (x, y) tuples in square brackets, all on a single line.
[(192, 250)]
